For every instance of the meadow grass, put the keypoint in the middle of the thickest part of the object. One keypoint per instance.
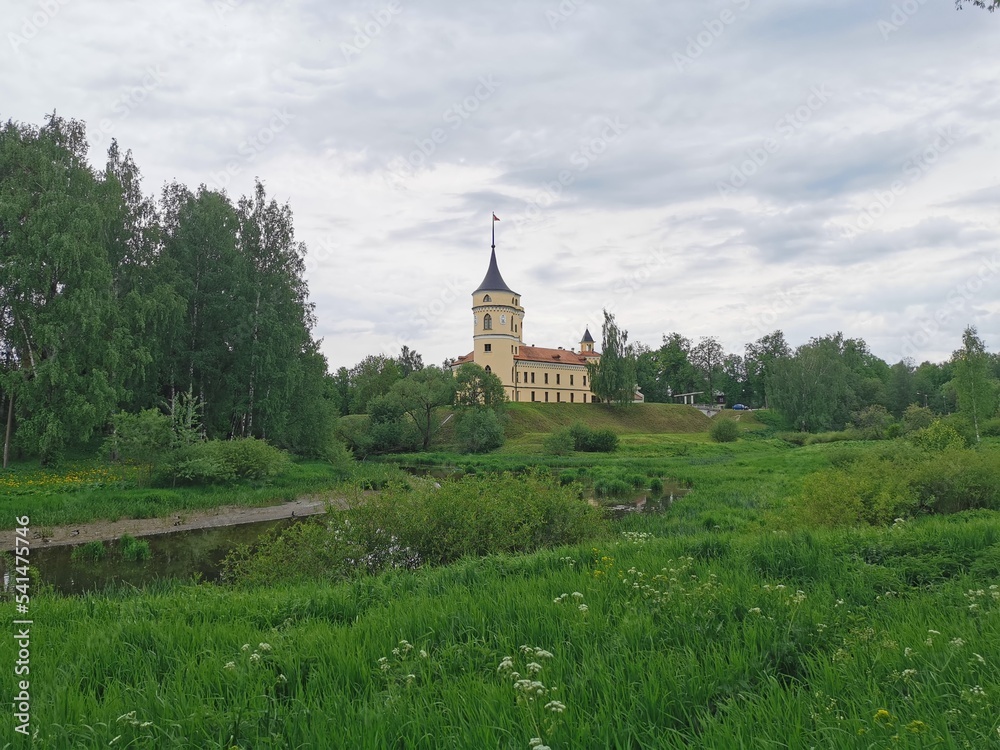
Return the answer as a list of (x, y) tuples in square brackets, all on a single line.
[(710, 639), (88, 490)]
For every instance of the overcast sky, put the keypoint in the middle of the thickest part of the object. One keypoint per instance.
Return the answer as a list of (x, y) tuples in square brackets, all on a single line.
[(715, 168)]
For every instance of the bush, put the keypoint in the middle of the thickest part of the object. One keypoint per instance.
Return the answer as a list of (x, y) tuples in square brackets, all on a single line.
[(870, 490), (304, 551), (724, 430), (656, 487), (938, 437), (559, 443), (567, 476), (134, 550), (222, 461), (958, 479), (990, 428), (474, 516), (479, 430), (917, 418), (90, 552), (593, 441)]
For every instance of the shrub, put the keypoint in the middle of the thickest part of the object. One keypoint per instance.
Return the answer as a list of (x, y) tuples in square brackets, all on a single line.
[(134, 550), (990, 428), (567, 476), (250, 458), (612, 488), (559, 443), (593, 441), (656, 487), (917, 418), (474, 516), (873, 421), (868, 491), (724, 430), (938, 437), (90, 552), (958, 479), (479, 430), (304, 551)]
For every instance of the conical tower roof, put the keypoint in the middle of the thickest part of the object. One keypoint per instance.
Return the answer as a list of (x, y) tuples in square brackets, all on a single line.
[(587, 338), (493, 282)]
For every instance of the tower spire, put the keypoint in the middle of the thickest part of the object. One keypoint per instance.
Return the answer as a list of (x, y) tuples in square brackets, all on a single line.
[(493, 244)]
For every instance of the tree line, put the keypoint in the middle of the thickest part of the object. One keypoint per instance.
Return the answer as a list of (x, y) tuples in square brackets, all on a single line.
[(112, 301)]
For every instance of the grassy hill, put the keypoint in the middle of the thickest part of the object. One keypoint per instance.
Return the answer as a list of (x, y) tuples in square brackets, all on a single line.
[(637, 418)]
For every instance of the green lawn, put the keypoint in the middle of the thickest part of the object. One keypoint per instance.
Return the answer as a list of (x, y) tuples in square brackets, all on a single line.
[(721, 623)]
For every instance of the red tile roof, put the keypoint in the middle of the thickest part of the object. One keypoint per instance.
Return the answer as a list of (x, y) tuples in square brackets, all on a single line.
[(540, 354)]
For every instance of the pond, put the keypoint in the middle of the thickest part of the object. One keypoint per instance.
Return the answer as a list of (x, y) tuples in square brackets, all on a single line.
[(177, 555)]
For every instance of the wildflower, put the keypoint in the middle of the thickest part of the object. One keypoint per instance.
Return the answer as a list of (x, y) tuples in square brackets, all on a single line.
[(383, 664), (755, 610), (583, 608), (282, 678), (410, 678), (264, 646), (916, 727), (423, 654), (934, 632), (555, 706), (145, 724), (979, 658), (840, 603), (882, 716), (956, 642), (909, 674), (577, 595), (907, 651), (541, 653), (245, 647), (534, 667), (255, 657), (230, 665)]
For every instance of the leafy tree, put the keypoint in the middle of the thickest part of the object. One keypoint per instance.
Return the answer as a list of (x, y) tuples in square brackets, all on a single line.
[(372, 376), (477, 388), (62, 359), (758, 357), (674, 359), (976, 389), (613, 376), (873, 421), (420, 394), (900, 391), (409, 361), (707, 358), (917, 418), (810, 389)]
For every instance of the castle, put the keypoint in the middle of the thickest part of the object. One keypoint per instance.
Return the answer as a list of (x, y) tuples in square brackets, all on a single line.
[(528, 373)]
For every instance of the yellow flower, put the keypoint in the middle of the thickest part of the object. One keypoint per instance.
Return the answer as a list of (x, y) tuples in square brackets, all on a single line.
[(882, 716)]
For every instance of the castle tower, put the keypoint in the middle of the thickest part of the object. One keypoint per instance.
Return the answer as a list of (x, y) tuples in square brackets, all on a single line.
[(587, 342), (497, 325)]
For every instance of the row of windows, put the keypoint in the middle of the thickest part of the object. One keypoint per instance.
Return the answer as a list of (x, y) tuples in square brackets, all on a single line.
[(572, 396), (488, 298), (558, 379)]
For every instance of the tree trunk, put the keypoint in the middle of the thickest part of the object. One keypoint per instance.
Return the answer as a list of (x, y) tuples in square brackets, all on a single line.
[(10, 425)]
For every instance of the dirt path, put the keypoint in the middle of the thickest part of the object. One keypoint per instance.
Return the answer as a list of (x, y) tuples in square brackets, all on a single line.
[(226, 515)]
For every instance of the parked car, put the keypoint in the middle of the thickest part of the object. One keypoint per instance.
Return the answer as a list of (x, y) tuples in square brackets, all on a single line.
[(740, 407)]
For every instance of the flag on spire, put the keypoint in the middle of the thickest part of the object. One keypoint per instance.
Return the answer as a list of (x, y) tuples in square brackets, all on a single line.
[(495, 218)]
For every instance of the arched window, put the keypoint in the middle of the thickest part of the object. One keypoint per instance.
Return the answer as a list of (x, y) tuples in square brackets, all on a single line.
[(487, 322), (488, 369), (487, 298)]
